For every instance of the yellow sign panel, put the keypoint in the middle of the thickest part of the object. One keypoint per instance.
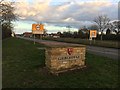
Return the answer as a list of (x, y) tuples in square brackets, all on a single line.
[(37, 28), (41, 27), (93, 33)]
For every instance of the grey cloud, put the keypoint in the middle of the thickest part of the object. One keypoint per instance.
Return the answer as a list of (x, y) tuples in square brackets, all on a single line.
[(81, 13)]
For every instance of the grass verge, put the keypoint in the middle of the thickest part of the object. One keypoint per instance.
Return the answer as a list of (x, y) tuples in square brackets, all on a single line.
[(23, 62), (104, 43)]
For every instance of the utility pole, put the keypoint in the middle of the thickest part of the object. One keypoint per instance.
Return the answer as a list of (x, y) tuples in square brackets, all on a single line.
[(68, 27)]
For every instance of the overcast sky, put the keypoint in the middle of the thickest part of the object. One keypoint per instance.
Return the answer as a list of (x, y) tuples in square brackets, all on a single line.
[(57, 14)]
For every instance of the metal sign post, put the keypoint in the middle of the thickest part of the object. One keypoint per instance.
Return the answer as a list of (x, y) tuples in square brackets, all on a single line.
[(90, 40), (34, 38), (37, 29), (94, 40), (93, 34)]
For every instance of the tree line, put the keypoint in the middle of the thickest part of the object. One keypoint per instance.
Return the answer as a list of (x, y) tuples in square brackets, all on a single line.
[(107, 30), (102, 24)]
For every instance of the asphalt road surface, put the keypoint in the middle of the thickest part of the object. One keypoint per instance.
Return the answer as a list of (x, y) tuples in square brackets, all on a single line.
[(102, 51)]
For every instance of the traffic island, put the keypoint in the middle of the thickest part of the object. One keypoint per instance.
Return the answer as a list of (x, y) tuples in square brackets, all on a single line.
[(64, 58)]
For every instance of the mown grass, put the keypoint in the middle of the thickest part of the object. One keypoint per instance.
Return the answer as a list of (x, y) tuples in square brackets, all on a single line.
[(23, 63), (103, 43)]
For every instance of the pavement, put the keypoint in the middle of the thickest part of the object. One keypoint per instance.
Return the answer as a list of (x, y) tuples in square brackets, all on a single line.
[(101, 51)]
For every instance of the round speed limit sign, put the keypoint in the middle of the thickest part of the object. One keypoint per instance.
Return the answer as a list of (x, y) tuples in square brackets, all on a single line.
[(37, 27)]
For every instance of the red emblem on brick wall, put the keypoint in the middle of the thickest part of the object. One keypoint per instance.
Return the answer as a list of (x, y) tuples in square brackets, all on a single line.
[(70, 51)]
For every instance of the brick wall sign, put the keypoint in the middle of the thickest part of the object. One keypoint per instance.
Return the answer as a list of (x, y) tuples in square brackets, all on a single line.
[(60, 59)]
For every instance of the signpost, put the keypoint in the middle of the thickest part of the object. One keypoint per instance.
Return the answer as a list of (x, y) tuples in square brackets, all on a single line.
[(37, 29), (93, 34)]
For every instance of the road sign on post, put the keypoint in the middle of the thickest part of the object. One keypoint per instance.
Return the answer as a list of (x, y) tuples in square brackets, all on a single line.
[(93, 33), (37, 28)]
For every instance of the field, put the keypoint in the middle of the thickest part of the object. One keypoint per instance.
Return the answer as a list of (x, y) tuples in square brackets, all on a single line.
[(103, 43), (23, 67)]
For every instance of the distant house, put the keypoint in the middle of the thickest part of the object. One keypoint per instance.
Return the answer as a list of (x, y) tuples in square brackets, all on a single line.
[(54, 35), (27, 34)]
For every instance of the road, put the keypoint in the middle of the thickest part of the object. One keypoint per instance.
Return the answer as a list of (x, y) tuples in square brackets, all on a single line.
[(102, 51)]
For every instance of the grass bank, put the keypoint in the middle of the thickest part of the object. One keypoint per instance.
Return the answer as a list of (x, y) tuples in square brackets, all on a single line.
[(23, 66), (104, 43)]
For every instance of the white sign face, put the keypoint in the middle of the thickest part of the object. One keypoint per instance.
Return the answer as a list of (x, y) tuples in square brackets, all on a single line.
[(38, 27), (37, 32)]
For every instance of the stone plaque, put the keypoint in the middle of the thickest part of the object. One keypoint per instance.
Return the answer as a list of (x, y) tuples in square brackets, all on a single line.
[(60, 59)]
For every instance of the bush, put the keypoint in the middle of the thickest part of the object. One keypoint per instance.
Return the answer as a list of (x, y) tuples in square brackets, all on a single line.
[(110, 37)]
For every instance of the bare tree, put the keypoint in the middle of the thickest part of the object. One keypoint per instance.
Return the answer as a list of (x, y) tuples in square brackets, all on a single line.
[(102, 22), (115, 26), (6, 11), (68, 28), (93, 27), (6, 16)]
